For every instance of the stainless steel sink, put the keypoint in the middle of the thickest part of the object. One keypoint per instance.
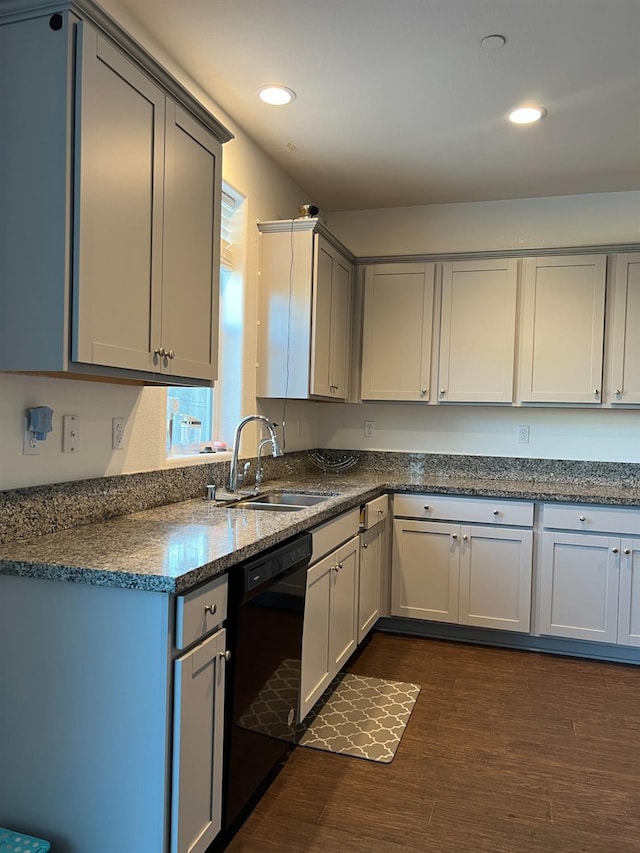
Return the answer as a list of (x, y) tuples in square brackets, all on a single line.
[(281, 501)]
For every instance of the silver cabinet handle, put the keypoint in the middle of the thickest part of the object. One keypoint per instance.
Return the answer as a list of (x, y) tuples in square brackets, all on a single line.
[(423, 392), (465, 538), (596, 391), (582, 518), (618, 392), (615, 550), (443, 391), (627, 550), (211, 608), (160, 352), (496, 512), (171, 354), (454, 535), (427, 508), (226, 655), (365, 546), (380, 512)]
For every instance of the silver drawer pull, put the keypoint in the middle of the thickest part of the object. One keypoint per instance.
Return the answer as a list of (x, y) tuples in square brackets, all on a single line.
[(365, 546), (582, 518), (615, 550), (465, 537), (496, 512), (211, 608), (380, 512), (427, 508), (226, 655), (627, 550), (454, 535)]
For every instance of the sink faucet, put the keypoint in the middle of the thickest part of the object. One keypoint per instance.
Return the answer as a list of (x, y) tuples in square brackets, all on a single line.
[(273, 438)]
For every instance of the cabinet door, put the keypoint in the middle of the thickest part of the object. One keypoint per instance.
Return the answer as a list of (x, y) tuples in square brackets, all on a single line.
[(425, 570), (629, 594), (371, 544), (478, 329), (495, 578), (344, 604), (563, 329), (625, 351), (397, 331), (191, 259), (198, 711), (341, 293), (579, 586), (331, 322), (316, 637), (118, 207)]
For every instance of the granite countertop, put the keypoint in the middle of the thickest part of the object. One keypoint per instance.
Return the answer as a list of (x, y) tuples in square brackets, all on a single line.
[(172, 548)]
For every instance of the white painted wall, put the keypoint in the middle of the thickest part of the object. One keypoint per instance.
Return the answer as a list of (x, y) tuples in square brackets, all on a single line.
[(575, 220), (579, 220), (604, 435), (270, 195)]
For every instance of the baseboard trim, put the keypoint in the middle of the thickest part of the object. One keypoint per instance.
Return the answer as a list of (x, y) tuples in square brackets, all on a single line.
[(508, 640)]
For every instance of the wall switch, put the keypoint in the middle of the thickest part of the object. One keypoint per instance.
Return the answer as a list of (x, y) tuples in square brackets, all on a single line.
[(369, 428), (70, 433), (30, 445), (117, 433), (523, 434)]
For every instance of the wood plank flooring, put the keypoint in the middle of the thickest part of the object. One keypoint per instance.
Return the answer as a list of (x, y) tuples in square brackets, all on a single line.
[(506, 751)]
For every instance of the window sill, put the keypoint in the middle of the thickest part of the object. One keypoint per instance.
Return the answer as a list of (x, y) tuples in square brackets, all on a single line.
[(196, 458)]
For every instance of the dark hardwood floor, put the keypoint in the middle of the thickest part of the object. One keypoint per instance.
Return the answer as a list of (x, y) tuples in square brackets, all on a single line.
[(505, 751)]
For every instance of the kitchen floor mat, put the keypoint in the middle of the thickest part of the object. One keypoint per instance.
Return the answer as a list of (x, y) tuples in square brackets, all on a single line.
[(357, 715)]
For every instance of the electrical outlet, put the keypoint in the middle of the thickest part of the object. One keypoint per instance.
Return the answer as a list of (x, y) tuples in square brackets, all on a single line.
[(369, 429), (523, 434), (30, 445), (70, 434), (117, 433)]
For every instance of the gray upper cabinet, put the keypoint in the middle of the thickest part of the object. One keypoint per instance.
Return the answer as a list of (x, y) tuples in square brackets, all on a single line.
[(563, 329), (111, 256), (478, 331), (304, 332)]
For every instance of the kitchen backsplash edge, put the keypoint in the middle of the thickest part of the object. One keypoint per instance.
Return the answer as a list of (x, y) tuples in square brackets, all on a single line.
[(38, 510)]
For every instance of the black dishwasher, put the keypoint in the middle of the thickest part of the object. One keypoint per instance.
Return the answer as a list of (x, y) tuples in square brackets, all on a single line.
[(264, 629)]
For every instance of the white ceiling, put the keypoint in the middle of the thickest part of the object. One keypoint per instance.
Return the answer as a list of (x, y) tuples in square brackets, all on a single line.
[(398, 103)]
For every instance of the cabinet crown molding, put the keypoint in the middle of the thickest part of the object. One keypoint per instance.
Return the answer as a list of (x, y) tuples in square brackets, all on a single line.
[(13, 10)]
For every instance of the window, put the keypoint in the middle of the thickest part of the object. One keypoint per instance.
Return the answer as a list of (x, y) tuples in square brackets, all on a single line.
[(215, 412)]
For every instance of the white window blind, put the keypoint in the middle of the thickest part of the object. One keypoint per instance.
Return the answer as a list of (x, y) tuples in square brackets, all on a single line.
[(229, 205)]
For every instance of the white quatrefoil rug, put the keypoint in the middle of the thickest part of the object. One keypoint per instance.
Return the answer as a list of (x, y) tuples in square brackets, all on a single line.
[(357, 715)]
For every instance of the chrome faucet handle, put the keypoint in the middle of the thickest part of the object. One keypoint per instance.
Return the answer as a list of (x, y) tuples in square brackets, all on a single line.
[(243, 473)]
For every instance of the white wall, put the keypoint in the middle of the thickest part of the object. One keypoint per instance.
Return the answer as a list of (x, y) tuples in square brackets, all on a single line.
[(579, 220), (576, 220), (604, 435), (270, 195)]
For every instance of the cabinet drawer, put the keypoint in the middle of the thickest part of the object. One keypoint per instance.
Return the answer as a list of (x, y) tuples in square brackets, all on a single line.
[(327, 537), (479, 510), (592, 519), (200, 611), (374, 511)]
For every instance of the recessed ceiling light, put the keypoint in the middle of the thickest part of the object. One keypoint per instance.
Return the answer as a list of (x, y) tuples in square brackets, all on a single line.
[(277, 96), (526, 115)]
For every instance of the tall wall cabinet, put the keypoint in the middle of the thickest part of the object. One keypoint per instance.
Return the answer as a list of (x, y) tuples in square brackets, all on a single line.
[(304, 333), (111, 177)]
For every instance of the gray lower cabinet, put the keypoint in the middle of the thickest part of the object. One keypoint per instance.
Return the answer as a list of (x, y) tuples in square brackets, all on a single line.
[(112, 719), (118, 187), (589, 571), (463, 560)]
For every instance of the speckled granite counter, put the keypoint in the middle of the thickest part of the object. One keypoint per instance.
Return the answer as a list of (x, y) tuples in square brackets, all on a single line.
[(174, 547)]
